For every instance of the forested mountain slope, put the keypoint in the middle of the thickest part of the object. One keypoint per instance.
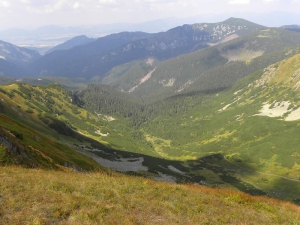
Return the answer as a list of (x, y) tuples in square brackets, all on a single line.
[(96, 59), (33, 135), (56, 63), (242, 138), (207, 70), (254, 125), (251, 127), (225, 116)]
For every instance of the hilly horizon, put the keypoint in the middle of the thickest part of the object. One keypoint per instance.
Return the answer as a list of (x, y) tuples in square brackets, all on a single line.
[(164, 45), (200, 71), (123, 123), (208, 113)]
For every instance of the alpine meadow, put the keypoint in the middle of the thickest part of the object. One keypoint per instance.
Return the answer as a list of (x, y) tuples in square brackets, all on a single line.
[(198, 124)]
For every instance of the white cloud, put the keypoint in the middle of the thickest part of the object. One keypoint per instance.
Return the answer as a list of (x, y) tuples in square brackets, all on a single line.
[(34, 12), (51, 6), (239, 2), (107, 2), (25, 1), (4, 4), (76, 5)]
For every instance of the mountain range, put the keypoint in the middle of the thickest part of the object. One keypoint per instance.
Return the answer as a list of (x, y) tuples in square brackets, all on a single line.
[(214, 105)]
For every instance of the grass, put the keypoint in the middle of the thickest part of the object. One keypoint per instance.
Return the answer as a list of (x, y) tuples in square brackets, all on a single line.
[(257, 144), (31, 196)]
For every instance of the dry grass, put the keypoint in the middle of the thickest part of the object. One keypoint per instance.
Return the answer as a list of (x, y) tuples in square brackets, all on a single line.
[(53, 197)]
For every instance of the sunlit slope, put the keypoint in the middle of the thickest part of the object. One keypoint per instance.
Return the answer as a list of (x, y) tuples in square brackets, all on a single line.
[(24, 146), (219, 121), (208, 70), (254, 125), (43, 121), (48, 197)]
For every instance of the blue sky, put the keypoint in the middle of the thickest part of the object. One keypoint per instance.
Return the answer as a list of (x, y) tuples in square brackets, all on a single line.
[(35, 13)]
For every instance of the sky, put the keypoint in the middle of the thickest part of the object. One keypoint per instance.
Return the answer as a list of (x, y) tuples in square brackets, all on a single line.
[(36, 13)]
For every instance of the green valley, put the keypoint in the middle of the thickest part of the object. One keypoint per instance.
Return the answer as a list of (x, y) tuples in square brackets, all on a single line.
[(212, 110), (241, 138)]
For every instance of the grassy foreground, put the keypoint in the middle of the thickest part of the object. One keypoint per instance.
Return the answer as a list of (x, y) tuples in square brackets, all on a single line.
[(29, 196)]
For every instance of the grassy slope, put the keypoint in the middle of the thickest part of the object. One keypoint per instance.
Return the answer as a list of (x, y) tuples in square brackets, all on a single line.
[(38, 108), (38, 150), (264, 149), (44, 197)]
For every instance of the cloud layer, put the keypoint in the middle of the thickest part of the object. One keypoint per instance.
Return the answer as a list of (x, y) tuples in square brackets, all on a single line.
[(18, 13)]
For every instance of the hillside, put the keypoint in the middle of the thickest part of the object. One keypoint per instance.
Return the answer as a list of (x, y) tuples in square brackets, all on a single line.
[(247, 132), (211, 139), (295, 28), (13, 59), (47, 197), (101, 58), (59, 63), (225, 116), (73, 42), (253, 125), (207, 70), (113, 140), (17, 55), (9, 70), (33, 135)]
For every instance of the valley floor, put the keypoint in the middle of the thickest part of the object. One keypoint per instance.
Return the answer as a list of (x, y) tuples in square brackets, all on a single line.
[(29, 196)]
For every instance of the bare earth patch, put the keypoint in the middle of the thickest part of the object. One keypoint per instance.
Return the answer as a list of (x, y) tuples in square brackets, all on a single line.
[(188, 83), (294, 115), (105, 117), (148, 76), (150, 61), (226, 106), (144, 79), (174, 169), (242, 54), (101, 134), (168, 83), (122, 165), (228, 38), (279, 109)]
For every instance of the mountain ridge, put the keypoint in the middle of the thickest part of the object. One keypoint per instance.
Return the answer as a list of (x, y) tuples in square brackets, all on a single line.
[(163, 45), (201, 70), (73, 42)]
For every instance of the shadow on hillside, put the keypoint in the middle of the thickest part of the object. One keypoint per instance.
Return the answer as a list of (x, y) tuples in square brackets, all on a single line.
[(214, 170)]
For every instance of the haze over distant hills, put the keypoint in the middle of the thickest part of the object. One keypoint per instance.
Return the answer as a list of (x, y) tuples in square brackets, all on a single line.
[(46, 37), (99, 60), (215, 104), (91, 128)]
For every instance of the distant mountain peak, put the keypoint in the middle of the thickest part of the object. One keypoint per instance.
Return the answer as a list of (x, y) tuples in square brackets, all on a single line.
[(76, 41)]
